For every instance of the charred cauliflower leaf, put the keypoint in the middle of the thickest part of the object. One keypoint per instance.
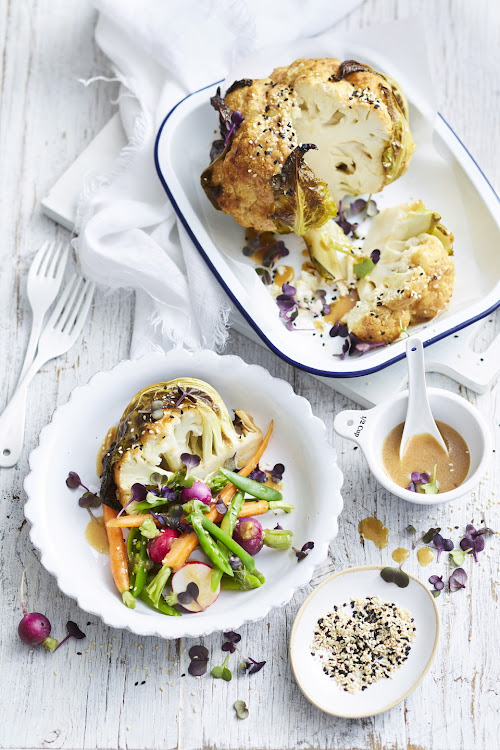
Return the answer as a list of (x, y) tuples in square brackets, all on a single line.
[(295, 143), (162, 422)]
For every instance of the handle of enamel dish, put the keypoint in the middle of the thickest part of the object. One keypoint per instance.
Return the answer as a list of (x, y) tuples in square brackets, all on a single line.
[(352, 425)]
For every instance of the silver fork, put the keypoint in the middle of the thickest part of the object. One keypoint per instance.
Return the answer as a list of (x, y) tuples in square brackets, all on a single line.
[(59, 334)]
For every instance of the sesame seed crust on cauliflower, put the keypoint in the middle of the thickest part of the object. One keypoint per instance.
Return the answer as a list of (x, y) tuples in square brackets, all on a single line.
[(162, 422), (312, 132)]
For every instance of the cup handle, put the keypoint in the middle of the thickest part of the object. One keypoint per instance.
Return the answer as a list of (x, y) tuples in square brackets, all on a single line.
[(352, 425)]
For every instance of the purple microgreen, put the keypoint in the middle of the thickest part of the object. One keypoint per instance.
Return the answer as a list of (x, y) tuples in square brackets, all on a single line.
[(139, 492), (89, 500), (234, 561), (221, 507), (232, 639), (73, 481), (236, 120), (190, 460), (229, 120), (431, 488), (190, 595), (375, 256), (302, 553), (199, 661), (277, 473), (355, 346), (321, 295), (241, 709), (441, 545), (395, 575), (429, 535), (258, 475), (159, 517), (411, 487), (473, 543), (265, 276), (278, 527), (274, 252), (169, 493), (416, 476), (250, 666), (345, 225), (437, 582), (457, 579), (287, 305), (182, 394), (338, 329), (73, 632), (125, 506), (357, 206), (474, 539)]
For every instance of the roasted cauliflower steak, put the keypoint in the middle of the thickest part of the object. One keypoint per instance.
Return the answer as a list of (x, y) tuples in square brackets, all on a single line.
[(312, 132), (162, 422)]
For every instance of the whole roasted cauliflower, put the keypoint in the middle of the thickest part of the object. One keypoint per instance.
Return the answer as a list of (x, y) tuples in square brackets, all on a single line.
[(294, 144), (162, 422)]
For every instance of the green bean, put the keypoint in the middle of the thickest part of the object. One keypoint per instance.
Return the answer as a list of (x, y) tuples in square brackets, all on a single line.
[(232, 546), (162, 606), (256, 489), (208, 545), (139, 566), (132, 536)]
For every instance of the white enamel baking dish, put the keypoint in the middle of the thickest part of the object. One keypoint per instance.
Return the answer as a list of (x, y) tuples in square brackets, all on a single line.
[(442, 173)]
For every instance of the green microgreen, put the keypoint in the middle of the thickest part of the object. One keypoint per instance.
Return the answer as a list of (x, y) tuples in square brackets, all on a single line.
[(364, 267), (395, 575), (222, 672), (457, 557), (241, 709), (431, 488)]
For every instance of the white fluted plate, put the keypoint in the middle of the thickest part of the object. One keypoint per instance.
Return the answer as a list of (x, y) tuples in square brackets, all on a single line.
[(71, 441)]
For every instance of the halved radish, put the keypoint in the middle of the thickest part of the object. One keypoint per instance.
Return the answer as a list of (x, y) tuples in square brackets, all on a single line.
[(201, 574)]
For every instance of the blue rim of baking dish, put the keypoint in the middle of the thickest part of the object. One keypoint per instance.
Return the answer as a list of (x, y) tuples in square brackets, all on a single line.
[(248, 317)]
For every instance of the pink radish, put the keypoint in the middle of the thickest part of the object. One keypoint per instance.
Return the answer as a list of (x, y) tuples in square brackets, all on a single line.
[(200, 574), (160, 545)]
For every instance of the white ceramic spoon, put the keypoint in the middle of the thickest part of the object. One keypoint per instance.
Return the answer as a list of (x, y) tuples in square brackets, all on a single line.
[(419, 419)]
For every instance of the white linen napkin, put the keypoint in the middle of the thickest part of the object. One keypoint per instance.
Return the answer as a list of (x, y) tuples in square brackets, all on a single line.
[(128, 233)]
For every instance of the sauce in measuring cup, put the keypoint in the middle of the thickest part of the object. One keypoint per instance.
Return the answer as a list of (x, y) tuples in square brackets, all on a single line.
[(423, 453)]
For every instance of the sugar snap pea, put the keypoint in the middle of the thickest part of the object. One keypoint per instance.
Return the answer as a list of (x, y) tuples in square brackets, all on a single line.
[(162, 606), (208, 544), (256, 489), (233, 546)]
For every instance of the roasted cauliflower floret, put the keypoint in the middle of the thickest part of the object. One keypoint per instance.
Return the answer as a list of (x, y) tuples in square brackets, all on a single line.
[(439, 268), (413, 279), (166, 420), (371, 323), (312, 132)]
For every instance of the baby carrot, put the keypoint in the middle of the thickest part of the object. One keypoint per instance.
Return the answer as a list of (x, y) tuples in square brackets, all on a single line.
[(118, 557)]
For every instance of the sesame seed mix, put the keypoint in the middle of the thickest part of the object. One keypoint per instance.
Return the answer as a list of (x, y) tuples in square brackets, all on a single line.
[(363, 641)]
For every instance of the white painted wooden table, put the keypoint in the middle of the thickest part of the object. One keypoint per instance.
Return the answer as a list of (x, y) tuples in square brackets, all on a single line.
[(129, 692)]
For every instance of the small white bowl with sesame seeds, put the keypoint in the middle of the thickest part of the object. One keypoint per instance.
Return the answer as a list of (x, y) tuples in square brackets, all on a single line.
[(352, 585), (368, 428)]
